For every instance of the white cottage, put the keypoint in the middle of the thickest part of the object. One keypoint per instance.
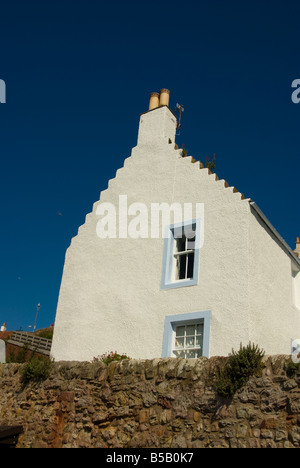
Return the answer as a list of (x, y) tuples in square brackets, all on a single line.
[(174, 262)]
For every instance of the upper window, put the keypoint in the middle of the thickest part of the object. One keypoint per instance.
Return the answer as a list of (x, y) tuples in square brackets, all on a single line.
[(181, 255)]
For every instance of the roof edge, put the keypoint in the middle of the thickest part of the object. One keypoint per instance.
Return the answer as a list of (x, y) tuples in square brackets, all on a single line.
[(270, 226)]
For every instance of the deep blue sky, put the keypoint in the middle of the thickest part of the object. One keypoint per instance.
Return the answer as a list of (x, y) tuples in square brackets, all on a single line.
[(78, 75)]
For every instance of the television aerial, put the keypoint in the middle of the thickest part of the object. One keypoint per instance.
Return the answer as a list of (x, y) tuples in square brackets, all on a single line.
[(179, 107)]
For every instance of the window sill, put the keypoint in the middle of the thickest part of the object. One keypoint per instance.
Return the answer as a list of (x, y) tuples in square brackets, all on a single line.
[(179, 284)]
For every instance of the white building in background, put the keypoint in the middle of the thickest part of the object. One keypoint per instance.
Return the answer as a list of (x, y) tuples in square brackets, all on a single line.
[(134, 287)]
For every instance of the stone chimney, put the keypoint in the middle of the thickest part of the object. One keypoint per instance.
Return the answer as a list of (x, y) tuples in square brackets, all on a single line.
[(297, 249), (158, 124)]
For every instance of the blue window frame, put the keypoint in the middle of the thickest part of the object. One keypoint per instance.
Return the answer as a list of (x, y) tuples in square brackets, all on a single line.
[(181, 255), (187, 335)]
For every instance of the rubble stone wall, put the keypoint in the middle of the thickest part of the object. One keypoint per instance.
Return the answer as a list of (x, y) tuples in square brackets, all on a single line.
[(160, 403)]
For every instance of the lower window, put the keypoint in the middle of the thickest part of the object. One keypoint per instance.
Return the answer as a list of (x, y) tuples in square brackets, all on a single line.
[(188, 342), (187, 335)]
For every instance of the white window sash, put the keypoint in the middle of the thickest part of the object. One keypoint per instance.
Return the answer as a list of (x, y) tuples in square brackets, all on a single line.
[(170, 255), (185, 349)]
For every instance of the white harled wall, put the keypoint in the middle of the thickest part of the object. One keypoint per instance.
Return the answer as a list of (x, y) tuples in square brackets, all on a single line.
[(296, 288), (274, 315), (110, 297)]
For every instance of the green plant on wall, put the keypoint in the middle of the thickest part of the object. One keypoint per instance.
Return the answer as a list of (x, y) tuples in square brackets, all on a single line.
[(211, 163), (292, 368), (45, 334), (107, 358), (240, 366), (36, 369)]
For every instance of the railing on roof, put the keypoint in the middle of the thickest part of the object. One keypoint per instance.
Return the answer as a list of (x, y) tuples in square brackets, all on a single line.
[(34, 342)]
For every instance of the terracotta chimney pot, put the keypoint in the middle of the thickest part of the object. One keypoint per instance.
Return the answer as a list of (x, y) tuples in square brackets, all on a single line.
[(154, 101), (164, 97)]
